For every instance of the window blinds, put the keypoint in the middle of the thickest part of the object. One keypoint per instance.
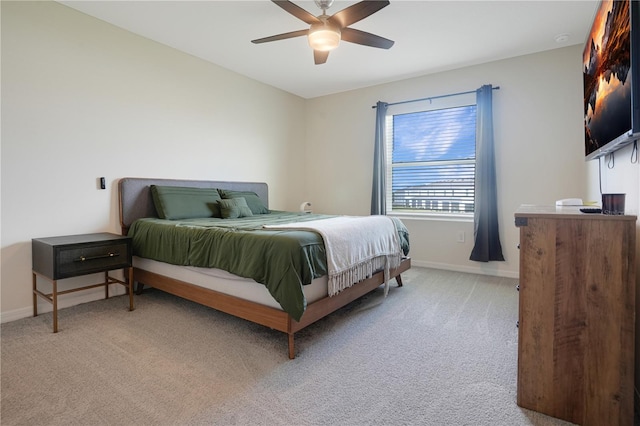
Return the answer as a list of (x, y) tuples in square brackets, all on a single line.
[(432, 167)]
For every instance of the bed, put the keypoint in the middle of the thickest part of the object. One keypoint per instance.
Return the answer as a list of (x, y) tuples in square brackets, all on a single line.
[(226, 287)]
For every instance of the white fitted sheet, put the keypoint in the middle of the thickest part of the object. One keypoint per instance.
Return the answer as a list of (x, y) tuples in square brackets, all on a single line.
[(228, 283)]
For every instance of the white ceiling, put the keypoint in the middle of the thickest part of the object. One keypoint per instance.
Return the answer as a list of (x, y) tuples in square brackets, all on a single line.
[(430, 36)]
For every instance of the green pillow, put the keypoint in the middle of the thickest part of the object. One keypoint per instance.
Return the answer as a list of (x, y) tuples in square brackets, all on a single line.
[(234, 207), (179, 202), (253, 201)]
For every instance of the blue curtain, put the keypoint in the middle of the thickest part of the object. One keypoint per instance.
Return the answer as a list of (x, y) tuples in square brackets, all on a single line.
[(487, 245), (379, 187)]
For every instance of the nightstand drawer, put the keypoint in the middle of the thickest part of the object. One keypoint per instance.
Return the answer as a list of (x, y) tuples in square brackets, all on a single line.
[(80, 261), (69, 256)]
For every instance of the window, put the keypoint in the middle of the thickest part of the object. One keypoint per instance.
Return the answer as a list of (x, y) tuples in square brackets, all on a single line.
[(431, 157)]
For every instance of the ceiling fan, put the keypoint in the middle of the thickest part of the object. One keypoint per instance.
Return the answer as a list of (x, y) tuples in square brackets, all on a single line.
[(326, 31)]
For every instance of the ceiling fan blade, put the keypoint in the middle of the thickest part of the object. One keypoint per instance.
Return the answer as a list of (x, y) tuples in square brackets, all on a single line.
[(297, 11), (357, 12), (367, 39), (320, 57), (281, 36)]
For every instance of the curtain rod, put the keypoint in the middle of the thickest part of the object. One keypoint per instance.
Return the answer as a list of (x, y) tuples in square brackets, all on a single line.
[(436, 97)]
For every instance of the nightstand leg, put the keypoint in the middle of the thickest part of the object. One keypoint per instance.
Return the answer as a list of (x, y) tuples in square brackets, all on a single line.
[(106, 285), (130, 287), (35, 296), (54, 296)]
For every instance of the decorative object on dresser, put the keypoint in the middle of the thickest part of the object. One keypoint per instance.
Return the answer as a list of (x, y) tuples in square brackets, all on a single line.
[(272, 277), (576, 314), (57, 258)]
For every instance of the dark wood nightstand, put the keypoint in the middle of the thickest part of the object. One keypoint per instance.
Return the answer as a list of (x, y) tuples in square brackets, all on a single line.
[(56, 258)]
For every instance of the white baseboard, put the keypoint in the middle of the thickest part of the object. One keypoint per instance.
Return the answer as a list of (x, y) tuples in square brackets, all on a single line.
[(466, 269), (64, 301)]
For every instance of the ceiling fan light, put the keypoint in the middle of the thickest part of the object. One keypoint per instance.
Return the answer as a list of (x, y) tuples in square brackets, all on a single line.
[(324, 38)]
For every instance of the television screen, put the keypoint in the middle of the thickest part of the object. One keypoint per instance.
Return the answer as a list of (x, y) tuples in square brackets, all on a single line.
[(607, 78)]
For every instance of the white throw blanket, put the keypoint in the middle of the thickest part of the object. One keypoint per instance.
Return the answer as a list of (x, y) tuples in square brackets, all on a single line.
[(356, 247)]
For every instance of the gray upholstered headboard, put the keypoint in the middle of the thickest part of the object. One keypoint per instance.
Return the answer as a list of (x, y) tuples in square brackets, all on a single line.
[(134, 195)]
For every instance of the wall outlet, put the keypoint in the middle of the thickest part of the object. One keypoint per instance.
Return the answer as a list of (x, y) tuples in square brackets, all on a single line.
[(460, 237)]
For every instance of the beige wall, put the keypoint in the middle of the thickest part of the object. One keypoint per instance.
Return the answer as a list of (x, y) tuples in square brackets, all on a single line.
[(83, 99), (538, 144)]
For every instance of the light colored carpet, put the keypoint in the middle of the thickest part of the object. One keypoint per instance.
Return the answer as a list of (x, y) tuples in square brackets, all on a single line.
[(442, 350)]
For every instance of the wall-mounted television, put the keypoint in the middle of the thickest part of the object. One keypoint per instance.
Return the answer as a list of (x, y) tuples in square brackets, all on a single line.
[(611, 77)]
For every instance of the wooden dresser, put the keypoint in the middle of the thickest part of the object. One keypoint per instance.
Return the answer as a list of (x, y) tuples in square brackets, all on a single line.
[(576, 314)]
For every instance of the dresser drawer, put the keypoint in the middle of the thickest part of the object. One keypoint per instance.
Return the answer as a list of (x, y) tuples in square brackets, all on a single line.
[(70, 256)]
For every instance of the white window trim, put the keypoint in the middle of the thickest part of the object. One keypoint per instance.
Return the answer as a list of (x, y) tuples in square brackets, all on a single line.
[(460, 100)]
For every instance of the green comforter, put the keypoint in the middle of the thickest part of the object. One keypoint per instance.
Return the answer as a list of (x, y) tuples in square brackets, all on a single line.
[(283, 260)]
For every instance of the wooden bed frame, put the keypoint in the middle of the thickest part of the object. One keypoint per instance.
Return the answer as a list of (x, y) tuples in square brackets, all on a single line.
[(135, 202)]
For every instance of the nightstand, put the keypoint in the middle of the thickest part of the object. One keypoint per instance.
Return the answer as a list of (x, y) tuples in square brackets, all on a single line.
[(56, 258)]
